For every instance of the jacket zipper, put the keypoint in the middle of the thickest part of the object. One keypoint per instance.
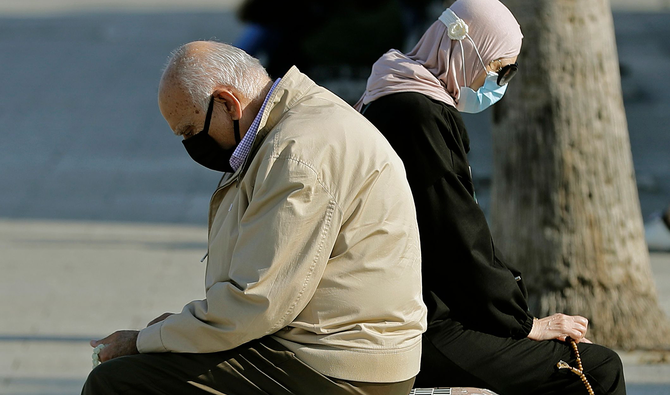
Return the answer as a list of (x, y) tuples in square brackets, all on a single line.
[(235, 178), (220, 187)]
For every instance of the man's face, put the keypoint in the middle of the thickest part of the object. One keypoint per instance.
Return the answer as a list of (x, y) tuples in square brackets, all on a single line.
[(186, 119)]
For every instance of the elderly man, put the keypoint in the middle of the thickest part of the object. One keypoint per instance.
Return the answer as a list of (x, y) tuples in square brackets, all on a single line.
[(313, 275)]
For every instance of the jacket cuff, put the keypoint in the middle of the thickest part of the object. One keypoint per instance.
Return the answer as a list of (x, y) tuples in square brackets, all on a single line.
[(526, 326), (149, 340)]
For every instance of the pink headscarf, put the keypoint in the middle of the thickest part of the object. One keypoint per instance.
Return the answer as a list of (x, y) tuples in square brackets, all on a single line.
[(435, 66)]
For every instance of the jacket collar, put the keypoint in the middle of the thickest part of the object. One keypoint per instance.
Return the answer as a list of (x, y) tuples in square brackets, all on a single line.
[(293, 86)]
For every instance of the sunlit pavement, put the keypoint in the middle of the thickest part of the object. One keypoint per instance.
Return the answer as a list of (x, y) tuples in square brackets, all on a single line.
[(64, 283)]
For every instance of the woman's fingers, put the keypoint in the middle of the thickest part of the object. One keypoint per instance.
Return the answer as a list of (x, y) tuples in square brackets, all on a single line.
[(581, 324), (559, 326)]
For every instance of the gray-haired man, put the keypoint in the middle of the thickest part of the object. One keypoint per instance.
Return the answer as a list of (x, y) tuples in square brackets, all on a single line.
[(313, 276)]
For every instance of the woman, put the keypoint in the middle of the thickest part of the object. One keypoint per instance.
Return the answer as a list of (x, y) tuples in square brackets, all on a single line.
[(481, 333)]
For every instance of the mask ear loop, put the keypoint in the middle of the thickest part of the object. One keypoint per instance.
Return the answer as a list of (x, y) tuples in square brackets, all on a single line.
[(457, 30), (236, 128), (476, 51), (208, 117), (460, 42)]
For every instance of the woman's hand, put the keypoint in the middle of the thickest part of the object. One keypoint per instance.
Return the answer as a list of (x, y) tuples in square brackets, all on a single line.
[(560, 327)]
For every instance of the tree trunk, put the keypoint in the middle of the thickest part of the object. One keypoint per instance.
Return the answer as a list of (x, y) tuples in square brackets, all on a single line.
[(565, 207)]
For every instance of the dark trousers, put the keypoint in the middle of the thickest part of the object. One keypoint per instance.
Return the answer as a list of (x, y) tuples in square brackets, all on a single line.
[(259, 367), (457, 357)]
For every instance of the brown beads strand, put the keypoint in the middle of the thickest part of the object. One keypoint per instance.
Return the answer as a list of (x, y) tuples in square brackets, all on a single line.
[(578, 357), (579, 371)]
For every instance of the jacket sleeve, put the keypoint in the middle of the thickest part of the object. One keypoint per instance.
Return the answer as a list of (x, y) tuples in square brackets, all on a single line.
[(459, 262), (461, 266), (285, 237)]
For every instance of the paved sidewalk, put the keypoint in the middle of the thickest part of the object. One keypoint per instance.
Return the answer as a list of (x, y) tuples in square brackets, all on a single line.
[(49, 7), (64, 283), (640, 5), (56, 7)]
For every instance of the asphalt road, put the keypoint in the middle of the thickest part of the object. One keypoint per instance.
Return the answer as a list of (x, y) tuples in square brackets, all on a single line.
[(83, 138)]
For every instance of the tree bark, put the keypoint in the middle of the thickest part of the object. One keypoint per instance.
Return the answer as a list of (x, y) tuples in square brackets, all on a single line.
[(565, 207)]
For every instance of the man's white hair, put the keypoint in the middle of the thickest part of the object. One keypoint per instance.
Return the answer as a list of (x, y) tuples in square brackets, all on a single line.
[(200, 69)]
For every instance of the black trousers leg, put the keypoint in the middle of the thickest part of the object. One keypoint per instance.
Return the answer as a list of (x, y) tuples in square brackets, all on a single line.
[(259, 367), (457, 357)]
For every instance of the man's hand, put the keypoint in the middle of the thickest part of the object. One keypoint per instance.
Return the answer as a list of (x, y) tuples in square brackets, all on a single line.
[(159, 318), (560, 327), (117, 344)]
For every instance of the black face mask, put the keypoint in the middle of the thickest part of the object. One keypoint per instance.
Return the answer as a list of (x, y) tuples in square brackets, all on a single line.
[(206, 151)]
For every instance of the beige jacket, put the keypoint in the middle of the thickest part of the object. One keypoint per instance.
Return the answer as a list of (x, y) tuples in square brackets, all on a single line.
[(314, 240)]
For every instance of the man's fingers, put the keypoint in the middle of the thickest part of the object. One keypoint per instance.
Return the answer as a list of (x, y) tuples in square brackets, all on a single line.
[(106, 353), (106, 340), (102, 355), (117, 344), (96, 343)]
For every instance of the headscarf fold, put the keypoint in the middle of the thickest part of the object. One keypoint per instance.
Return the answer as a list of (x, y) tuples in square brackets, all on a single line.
[(435, 66)]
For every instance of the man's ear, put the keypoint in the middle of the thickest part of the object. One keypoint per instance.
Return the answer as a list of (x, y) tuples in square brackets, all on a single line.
[(230, 101)]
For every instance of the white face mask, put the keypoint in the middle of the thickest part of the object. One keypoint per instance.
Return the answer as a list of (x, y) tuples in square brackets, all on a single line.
[(488, 94)]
